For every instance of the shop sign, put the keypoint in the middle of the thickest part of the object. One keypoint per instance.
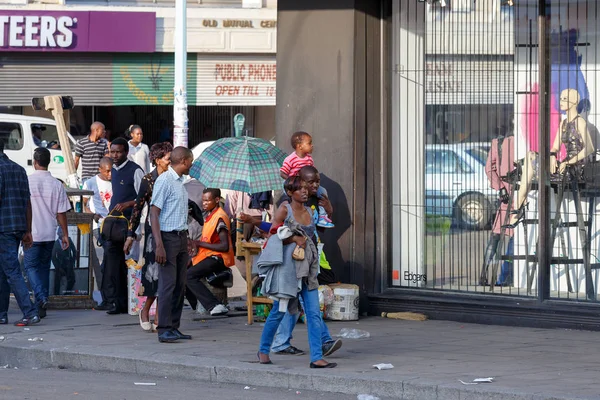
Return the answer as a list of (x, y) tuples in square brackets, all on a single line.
[(240, 23), (149, 79), (441, 78), (77, 31), (239, 81)]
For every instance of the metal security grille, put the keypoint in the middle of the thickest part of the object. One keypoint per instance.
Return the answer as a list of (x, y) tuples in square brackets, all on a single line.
[(469, 101), (88, 78), (206, 123)]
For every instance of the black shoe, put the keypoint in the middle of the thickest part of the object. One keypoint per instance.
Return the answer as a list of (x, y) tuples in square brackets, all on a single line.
[(42, 312), (290, 351), (104, 306), (3, 321), (113, 311), (28, 321), (328, 365), (168, 337), (181, 335), (331, 347)]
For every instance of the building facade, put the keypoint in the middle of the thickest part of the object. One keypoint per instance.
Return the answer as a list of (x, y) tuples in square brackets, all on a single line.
[(115, 58), (418, 110)]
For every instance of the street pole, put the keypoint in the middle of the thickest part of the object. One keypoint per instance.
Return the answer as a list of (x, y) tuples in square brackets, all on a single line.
[(544, 251), (180, 106)]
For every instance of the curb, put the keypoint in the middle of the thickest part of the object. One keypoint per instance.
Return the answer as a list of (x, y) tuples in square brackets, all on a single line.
[(212, 370)]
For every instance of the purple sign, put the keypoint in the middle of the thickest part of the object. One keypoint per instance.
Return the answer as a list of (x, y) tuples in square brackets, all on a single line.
[(77, 31)]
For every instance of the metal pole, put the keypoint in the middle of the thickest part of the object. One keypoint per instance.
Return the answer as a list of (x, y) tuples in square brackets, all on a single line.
[(544, 251), (180, 106)]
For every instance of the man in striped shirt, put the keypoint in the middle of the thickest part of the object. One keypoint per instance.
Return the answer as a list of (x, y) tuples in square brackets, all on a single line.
[(90, 150)]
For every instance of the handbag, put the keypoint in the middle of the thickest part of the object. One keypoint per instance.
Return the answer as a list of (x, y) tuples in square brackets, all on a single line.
[(298, 253), (114, 227)]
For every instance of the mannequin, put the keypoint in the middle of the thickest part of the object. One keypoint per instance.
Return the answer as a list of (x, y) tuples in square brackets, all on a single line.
[(500, 161), (574, 134)]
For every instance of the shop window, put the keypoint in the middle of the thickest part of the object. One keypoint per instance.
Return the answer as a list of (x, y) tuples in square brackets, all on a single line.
[(12, 135)]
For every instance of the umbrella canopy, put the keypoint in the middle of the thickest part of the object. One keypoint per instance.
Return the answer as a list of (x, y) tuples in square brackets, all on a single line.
[(245, 164)]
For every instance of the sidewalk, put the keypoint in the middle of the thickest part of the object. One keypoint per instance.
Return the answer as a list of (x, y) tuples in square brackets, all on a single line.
[(429, 357)]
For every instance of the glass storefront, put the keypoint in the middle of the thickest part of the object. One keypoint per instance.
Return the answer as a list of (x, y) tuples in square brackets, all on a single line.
[(465, 147)]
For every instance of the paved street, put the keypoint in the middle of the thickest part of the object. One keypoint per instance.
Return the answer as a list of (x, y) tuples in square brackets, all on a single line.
[(51, 384), (430, 358)]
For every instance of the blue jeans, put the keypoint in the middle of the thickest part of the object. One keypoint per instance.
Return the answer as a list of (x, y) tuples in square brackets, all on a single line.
[(283, 336), (313, 322), (36, 262), (11, 277), (506, 272)]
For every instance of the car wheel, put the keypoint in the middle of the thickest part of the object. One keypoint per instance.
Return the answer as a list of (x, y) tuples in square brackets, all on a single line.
[(473, 212)]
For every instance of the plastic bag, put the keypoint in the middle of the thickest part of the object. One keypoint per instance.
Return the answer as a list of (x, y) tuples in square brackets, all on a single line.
[(348, 333)]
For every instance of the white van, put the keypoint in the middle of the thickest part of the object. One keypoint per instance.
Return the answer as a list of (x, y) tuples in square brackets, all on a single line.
[(16, 131)]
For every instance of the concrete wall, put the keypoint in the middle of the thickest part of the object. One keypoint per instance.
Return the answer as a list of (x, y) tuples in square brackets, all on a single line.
[(329, 84), (264, 122)]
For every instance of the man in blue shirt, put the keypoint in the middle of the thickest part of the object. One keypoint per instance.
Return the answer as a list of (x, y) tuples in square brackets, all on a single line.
[(15, 227), (168, 217)]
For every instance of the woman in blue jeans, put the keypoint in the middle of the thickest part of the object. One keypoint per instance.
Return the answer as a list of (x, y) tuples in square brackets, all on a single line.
[(287, 214)]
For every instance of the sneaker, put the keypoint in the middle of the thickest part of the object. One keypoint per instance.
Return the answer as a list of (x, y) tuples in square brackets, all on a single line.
[(28, 321), (331, 347), (291, 351), (219, 309), (324, 221)]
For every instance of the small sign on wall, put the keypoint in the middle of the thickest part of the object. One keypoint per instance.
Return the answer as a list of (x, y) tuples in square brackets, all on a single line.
[(251, 3)]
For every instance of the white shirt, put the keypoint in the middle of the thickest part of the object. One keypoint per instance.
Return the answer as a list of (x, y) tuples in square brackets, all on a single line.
[(100, 202), (48, 198), (140, 155)]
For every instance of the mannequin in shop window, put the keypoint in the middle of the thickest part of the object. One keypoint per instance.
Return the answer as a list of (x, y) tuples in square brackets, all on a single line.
[(574, 134), (499, 163)]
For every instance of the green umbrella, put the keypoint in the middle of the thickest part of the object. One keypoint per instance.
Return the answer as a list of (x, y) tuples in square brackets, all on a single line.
[(245, 164)]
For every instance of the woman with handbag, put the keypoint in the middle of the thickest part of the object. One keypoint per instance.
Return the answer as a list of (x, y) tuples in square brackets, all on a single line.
[(296, 230), (160, 157)]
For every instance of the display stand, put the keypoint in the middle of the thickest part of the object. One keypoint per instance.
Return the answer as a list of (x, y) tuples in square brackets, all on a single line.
[(79, 296)]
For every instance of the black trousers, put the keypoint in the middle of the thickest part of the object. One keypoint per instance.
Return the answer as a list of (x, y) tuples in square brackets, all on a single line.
[(171, 280), (114, 280), (201, 270)]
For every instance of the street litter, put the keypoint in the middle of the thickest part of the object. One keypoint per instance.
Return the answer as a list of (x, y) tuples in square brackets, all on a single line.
[(2, 338), (36, 339), (4, 366), (247, 388), (144, 383), (383, 366), (478, 381), (347, 333), (26, 329), (366, 397), (408, 316)]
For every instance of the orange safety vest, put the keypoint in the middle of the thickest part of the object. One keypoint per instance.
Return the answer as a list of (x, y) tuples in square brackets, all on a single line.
[(208, 231)]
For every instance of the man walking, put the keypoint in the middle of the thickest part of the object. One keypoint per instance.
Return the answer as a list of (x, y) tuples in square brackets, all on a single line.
[(49, 204), (126, 177), (15, 227), (90, 150), (168, 217)]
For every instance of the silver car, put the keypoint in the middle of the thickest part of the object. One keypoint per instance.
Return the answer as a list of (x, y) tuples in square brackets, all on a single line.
[(456, 184)]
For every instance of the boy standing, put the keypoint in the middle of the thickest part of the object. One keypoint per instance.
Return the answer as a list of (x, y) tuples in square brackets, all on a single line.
[(301, 157), (98, 205)]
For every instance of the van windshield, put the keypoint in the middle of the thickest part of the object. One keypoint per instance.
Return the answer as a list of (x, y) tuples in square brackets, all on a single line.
[(45, 133)]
